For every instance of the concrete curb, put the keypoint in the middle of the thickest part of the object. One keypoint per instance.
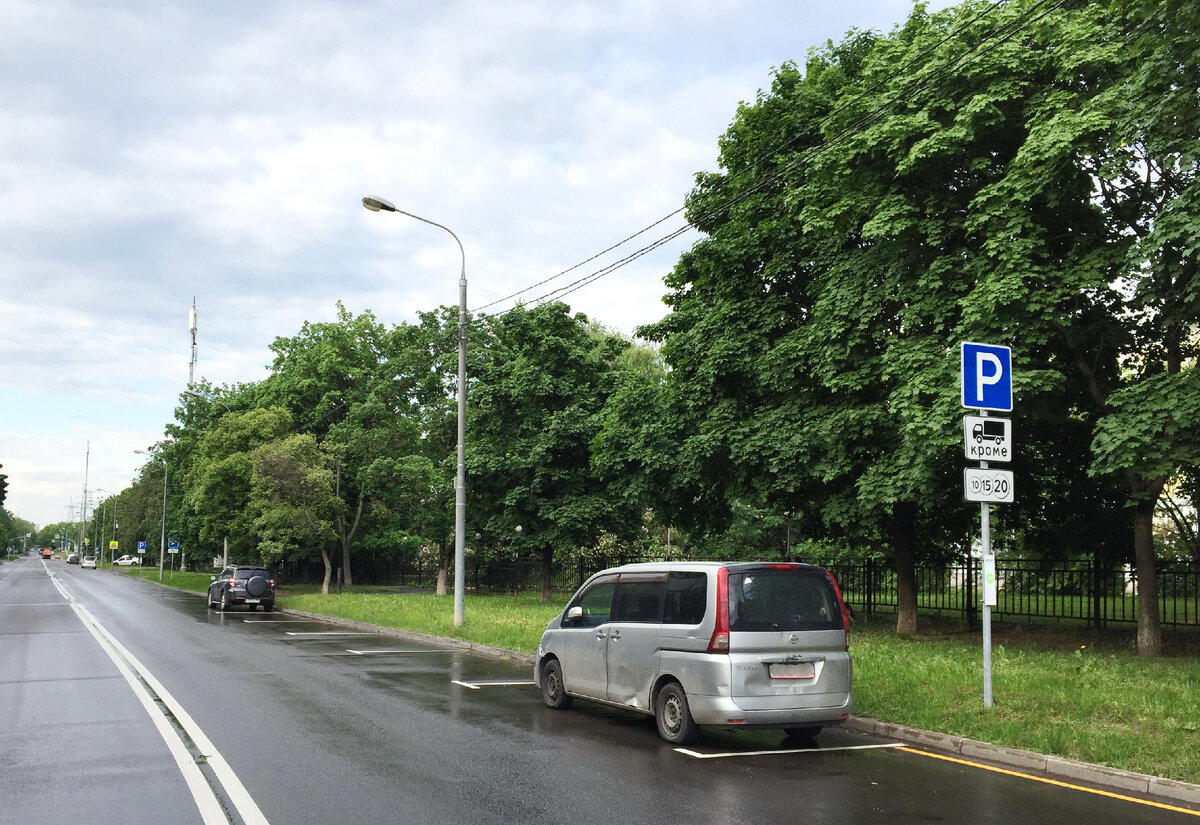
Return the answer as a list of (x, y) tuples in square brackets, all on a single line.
[(1016, 759)]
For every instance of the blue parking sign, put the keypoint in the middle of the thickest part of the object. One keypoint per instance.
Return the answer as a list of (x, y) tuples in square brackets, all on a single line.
[(987, 377), (141, 547)]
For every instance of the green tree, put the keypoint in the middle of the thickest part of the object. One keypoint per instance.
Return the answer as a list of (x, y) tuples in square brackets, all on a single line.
[(220, 481), (950, 181), (292, 500), (534, 412)]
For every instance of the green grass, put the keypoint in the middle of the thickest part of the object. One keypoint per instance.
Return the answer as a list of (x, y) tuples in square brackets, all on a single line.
[(1090, 701), (508, 622), (1108, 708)]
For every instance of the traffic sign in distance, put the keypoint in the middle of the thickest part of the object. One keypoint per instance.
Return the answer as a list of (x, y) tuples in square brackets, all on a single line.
[(988, 486), (987, 377), (987, 439)]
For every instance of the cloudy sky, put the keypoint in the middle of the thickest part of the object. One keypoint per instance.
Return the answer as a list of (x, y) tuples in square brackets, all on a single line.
[(152, 152)]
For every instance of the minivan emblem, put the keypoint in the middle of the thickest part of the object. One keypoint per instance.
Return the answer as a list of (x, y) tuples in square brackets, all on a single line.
[(794, 639)]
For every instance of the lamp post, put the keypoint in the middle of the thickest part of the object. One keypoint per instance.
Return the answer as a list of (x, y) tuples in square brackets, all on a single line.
[(162, 547), (460, 478)]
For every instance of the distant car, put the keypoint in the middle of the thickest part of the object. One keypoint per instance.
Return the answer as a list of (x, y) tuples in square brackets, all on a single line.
[(126, 561), (72, 558), (46, 552), (88, 561), (242, 584)]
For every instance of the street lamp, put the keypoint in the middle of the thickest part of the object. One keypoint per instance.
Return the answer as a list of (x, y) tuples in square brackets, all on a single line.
[(162, 547), (460, 478)]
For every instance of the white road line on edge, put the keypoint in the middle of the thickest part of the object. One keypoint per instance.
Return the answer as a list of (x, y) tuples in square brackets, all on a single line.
[(780, 752), (202, 793)]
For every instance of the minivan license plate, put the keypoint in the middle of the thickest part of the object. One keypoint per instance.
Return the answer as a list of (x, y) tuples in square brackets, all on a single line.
[(801, 670)]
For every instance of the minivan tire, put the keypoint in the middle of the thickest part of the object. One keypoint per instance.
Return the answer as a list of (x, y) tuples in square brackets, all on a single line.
[(674, 718), (554, 694)]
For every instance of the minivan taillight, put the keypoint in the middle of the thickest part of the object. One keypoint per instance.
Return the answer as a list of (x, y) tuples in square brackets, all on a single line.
[(842, 602), (719, 643)]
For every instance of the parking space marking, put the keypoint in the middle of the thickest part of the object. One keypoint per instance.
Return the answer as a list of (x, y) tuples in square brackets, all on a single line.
[(1056, 782), (698, 755), (330, 633), (279, 621), (482, 685), (387, 650)]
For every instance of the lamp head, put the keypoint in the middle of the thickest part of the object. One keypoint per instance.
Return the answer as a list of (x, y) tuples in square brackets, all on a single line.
[(376, 204)]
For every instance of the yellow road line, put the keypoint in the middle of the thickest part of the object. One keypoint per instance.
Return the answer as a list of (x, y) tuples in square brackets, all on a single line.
[(1056, 782)]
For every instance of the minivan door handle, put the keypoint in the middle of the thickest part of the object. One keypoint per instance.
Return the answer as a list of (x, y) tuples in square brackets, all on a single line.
[(616, 634), (600, 634)]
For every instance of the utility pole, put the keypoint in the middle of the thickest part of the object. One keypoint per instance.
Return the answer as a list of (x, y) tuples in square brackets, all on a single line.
[(193, 323)]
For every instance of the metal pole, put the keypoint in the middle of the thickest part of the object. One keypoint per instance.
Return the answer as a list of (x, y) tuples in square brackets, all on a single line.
[(987, 610), (460, 480), (460, 477), (162, 547)]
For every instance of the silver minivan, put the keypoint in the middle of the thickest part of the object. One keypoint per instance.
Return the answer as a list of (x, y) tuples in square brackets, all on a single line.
[(728, 644)]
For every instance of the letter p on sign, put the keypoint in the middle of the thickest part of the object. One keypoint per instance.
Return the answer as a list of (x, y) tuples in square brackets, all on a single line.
[(987, 377)]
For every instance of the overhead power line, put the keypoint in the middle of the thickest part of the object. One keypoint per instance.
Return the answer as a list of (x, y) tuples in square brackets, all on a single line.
[(997, 37)]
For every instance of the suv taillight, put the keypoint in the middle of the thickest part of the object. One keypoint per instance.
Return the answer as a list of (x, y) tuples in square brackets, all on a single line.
[(719, 643)]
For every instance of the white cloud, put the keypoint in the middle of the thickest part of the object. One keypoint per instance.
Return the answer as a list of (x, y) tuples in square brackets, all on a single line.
[(150, 152)]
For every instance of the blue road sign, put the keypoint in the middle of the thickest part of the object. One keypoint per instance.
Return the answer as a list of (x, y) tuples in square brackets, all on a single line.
[(141, 547), (987, 377), (172, 544)]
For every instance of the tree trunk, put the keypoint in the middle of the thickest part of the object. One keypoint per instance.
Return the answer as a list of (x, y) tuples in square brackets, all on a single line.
[(443, 567), (903, 532), (328, 570), (547, 575), (1149, 626)]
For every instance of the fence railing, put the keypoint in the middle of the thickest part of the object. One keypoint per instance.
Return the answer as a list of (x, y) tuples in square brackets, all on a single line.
[(1099, 595), (1096, 594)]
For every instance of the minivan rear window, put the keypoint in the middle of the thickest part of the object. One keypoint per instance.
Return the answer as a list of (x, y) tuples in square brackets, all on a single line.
[(782, 598)]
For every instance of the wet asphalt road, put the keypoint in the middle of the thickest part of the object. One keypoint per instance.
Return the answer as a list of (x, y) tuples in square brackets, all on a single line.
[(324, 725)]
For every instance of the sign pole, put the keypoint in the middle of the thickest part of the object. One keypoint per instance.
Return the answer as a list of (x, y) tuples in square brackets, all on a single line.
[(986, 372), (989, 587)]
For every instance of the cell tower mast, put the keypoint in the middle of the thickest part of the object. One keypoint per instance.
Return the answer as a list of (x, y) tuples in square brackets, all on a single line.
[(192, 324)]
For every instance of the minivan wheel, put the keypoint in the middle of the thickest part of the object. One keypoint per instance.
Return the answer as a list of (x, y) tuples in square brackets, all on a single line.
[(553, 692), (675, 723)]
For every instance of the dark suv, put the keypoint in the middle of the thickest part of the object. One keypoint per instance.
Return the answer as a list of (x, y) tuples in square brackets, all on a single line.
[(242, 584)]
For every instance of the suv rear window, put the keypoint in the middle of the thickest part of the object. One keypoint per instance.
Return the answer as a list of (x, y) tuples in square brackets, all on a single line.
[(785, 598), (247, 573)]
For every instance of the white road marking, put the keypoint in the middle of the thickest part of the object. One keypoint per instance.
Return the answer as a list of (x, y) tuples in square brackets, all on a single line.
[(205, 798), (385, 650), (698, 755), (481, 685), (278, 621), (330, 633)]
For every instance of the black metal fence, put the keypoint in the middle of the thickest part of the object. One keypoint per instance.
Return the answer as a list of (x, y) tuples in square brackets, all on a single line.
[(1099, 595)]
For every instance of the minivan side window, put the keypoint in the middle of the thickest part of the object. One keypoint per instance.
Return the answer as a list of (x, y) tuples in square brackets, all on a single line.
[(639, 597), (686, 598), (596, 602)]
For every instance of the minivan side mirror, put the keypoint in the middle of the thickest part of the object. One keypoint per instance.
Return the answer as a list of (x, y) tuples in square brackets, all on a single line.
[(575, 614)]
